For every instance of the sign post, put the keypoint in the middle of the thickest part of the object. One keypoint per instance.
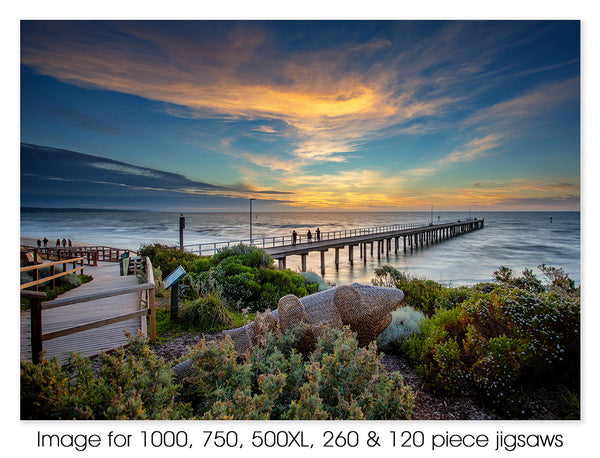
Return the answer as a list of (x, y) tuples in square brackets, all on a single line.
[(172, 281)]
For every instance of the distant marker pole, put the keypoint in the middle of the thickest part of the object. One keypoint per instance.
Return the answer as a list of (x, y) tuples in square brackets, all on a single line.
[(181, 228)]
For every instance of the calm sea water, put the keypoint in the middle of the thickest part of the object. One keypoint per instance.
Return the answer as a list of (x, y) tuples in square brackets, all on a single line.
[(514, 239)]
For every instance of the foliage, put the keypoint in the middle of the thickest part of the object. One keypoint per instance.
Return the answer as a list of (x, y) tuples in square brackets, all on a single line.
[(167, 258), (243, 276), (207, 313), (132, 385), (247, 255), (388, 276), (313, 278), (274, 381), (528, 281), (500, 341), (63, 284), (405, 321)]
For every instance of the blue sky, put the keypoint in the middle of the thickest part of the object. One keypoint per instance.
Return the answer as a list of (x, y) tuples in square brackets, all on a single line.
[(319, 115)]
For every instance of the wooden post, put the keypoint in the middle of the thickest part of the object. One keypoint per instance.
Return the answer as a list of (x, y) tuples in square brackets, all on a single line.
[(351, 254), (303, 262), (337, 259), (152, 311), (365, 252), (323, 262), (35, 316)]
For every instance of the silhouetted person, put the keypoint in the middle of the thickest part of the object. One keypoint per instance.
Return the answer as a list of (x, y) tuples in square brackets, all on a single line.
[(309, 236), (64, 242), (39, 242), (45, 242), (57, 243), (70, 243), (294, 237), (318, 234)]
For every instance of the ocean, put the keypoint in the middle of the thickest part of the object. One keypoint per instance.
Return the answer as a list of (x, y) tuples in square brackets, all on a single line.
[(517, 240)]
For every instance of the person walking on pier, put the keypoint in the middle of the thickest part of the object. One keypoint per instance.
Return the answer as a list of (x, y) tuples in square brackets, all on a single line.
[(294, 237), (70, 243), (64, 242), (57, 243), (309, 236), (318, 234), (45, 242), (39, 243)]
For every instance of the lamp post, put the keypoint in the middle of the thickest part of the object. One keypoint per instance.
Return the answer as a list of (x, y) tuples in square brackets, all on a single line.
[(251, 199)]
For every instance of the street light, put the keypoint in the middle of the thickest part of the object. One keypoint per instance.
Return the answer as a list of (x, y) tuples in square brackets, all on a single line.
[(251, 199)]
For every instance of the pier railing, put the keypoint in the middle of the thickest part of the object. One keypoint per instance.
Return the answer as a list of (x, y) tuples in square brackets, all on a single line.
[(209, 249)]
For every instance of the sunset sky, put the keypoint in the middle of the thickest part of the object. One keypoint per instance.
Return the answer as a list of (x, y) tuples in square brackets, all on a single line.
[(317, 115)]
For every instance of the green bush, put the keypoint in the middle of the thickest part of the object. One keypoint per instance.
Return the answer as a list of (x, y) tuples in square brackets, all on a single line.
[(388, 276), (499, 342), (405, 321), (247, 255), (206, 313), (168, 258), (337, 381), (313, 278), (136, 385), (423, 295)]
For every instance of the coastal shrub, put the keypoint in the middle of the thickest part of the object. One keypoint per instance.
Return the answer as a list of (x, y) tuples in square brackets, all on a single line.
[(253, 286), (337, 380), (388, 276), (247, 255), (497, 344), (168, 258), (133, 385), (405, 321), (195, 285), (313, 278), (206, 313), (528, 281), (423, 295)]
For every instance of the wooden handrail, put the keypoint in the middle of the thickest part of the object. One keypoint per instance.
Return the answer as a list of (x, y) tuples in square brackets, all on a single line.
[(90, 297), (50, 278), (151, 302), (94, 324), (48, 264)]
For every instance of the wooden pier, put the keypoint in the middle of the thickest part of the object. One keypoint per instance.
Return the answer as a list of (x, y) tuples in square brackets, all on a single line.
[(412, 238), (90, 318)]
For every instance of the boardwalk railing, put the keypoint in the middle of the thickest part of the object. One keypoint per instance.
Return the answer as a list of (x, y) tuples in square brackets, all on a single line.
[(91, 254), (209, 249), (147, 307), (53, 275)]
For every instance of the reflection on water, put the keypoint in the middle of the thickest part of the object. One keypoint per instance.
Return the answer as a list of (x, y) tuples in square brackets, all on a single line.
[(514, 239)]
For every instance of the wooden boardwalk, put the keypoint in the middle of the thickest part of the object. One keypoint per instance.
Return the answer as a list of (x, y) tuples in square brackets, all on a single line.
[(92, 341)]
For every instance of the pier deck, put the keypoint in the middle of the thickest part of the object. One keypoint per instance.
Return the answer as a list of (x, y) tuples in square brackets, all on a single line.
[(412, 237)]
